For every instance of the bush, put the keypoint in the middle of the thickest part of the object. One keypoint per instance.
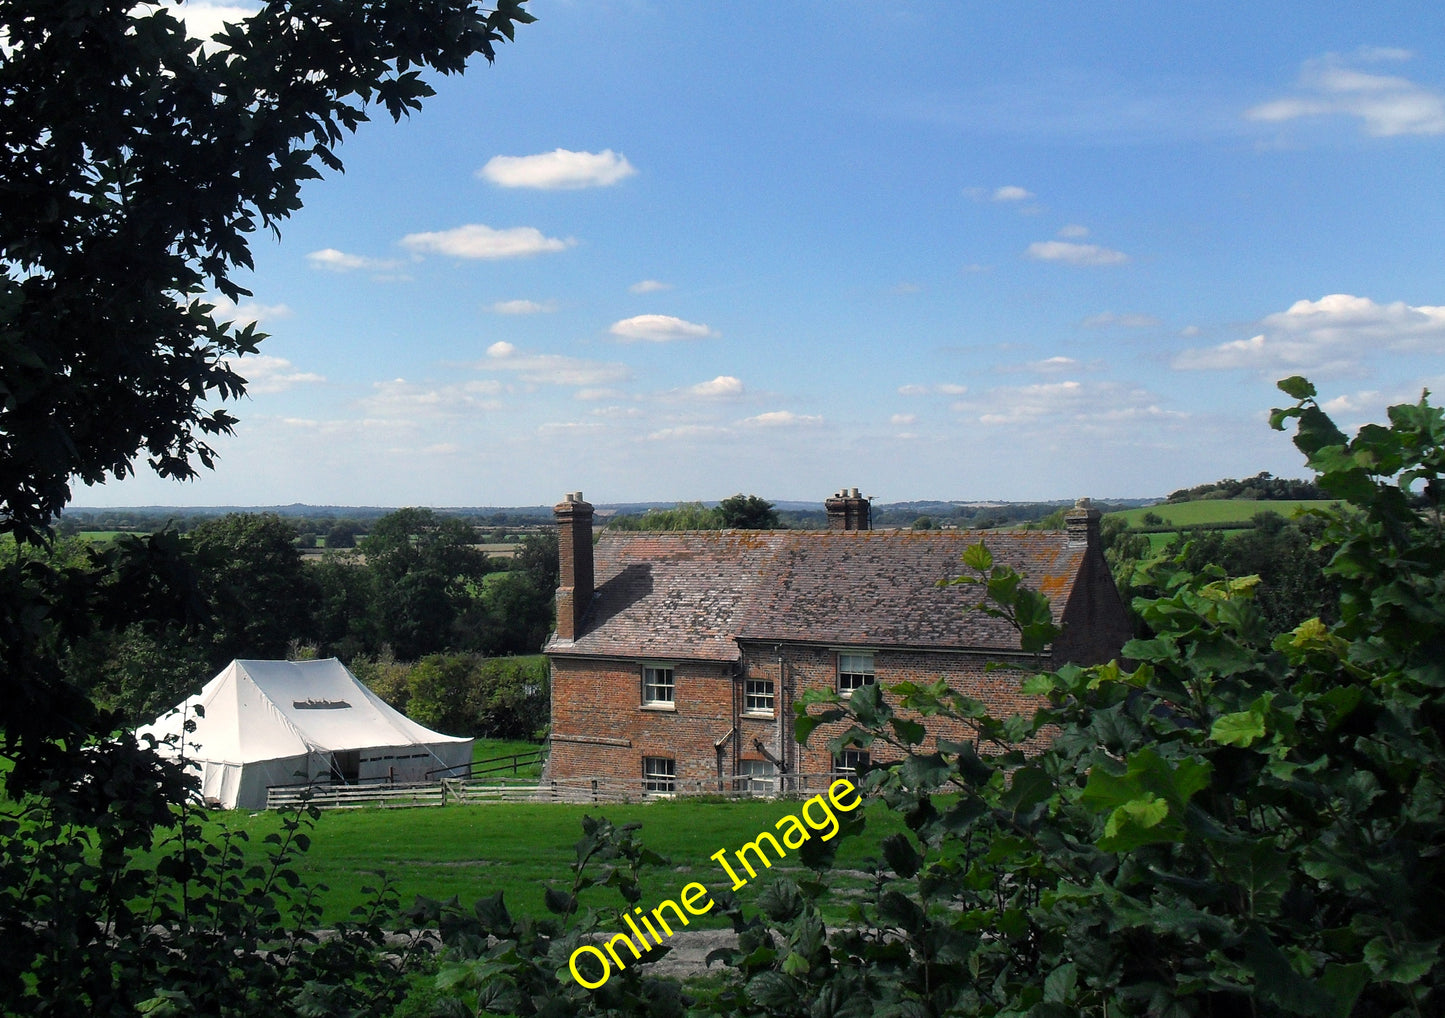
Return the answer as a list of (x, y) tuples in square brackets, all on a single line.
[(1239, 822)]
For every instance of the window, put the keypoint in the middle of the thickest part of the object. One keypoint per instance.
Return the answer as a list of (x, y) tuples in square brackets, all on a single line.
[(759, 777), (758, 696), (854, 671), (659, 774), (657, 685), (849, 762)]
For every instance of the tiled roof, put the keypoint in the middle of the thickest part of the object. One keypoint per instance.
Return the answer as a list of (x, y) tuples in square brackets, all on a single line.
[(694, 594)]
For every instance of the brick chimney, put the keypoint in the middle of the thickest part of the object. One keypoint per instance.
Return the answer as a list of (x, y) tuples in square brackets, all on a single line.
[(574, 554), (1082, 523), (848, 510)]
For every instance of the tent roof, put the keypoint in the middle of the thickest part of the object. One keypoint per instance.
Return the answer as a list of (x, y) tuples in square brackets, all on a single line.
[(267, 710)]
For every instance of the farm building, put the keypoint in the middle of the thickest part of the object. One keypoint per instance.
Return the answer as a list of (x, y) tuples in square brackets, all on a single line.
[(678, 655), (273, 723)]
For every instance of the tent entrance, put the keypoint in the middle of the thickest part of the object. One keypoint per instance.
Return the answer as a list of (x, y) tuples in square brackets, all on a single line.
[(346, 766)]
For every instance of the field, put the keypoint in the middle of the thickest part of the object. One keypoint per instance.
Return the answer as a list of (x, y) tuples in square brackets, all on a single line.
[(473, 851), (1214, 511)]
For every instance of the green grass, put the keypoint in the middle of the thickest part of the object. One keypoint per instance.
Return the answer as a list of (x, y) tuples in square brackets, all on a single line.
[(1221, 510), (473, 851), (496, 749)]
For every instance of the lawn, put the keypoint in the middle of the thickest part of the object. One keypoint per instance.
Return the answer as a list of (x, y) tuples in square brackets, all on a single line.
[(473, 851), (1218, 510)]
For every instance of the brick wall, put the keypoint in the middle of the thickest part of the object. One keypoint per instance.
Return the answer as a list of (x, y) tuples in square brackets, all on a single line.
[(816, 668), (601, 702)]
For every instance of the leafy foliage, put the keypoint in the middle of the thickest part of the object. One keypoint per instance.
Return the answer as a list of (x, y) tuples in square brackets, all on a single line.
[(1263, 485), (1238, 822), (109, 349), (135, 166), (747, 512), (497, 963), (461, 694)]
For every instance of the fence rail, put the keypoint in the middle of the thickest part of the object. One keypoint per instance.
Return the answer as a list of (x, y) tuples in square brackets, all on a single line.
[(613, 789)]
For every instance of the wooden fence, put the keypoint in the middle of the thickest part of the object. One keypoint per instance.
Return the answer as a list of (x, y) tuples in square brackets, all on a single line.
[(614, 789)]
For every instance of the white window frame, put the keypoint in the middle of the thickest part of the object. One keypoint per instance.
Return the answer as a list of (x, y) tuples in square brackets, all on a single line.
[(760, 781), (858, 668), (846, 763), (651, 672), (659, 775), (768, 692)]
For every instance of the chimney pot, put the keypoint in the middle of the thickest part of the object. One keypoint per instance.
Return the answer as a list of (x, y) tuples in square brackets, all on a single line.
[(847, 510)]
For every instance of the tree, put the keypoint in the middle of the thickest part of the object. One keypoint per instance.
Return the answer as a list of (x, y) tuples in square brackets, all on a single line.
[(259, 590), (134, 168), (113, 114), (747, 512), (427, 575), (1239, 822)]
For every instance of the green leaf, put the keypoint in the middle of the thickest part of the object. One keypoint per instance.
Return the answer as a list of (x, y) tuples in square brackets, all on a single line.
[(910, 732), (978, 557), (1059, 984), (901, 856), (1296, 387), (559, 902), (1238, 729), (795, 964)]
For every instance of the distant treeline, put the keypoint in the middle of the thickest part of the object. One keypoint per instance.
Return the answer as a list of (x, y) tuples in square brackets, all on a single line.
[(417, 586), (1263, 486), (334, 526)]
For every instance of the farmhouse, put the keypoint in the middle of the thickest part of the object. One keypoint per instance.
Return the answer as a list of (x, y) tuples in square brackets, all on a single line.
[(678, 655)]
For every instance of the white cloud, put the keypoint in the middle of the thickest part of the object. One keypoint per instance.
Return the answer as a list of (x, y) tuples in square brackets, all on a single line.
[(616, 412), (1074, 232), (721, 387), (558, 170), (974, 268), (249, 313), (204, 18), (940, 388), (649, 286), (1011, 192), (522, 307), (1074, 254), (1051, 364), (904, 289), (1386, 105), (781, 419), (1114, 408), (688, 431), (333, 260), (266, 374), (477, 241), (594, 395), (902, 420), (658, 329), (399, 398), (552, 369), (1333, 335), (1127, 321)]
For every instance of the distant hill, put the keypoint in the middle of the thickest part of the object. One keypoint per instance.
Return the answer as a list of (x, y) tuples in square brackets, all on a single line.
[(971, 513)]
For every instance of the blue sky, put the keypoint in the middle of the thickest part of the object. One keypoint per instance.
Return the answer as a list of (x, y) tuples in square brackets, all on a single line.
[(670, 250)]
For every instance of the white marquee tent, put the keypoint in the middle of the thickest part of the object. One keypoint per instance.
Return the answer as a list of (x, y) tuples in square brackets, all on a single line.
[(292, 722)]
